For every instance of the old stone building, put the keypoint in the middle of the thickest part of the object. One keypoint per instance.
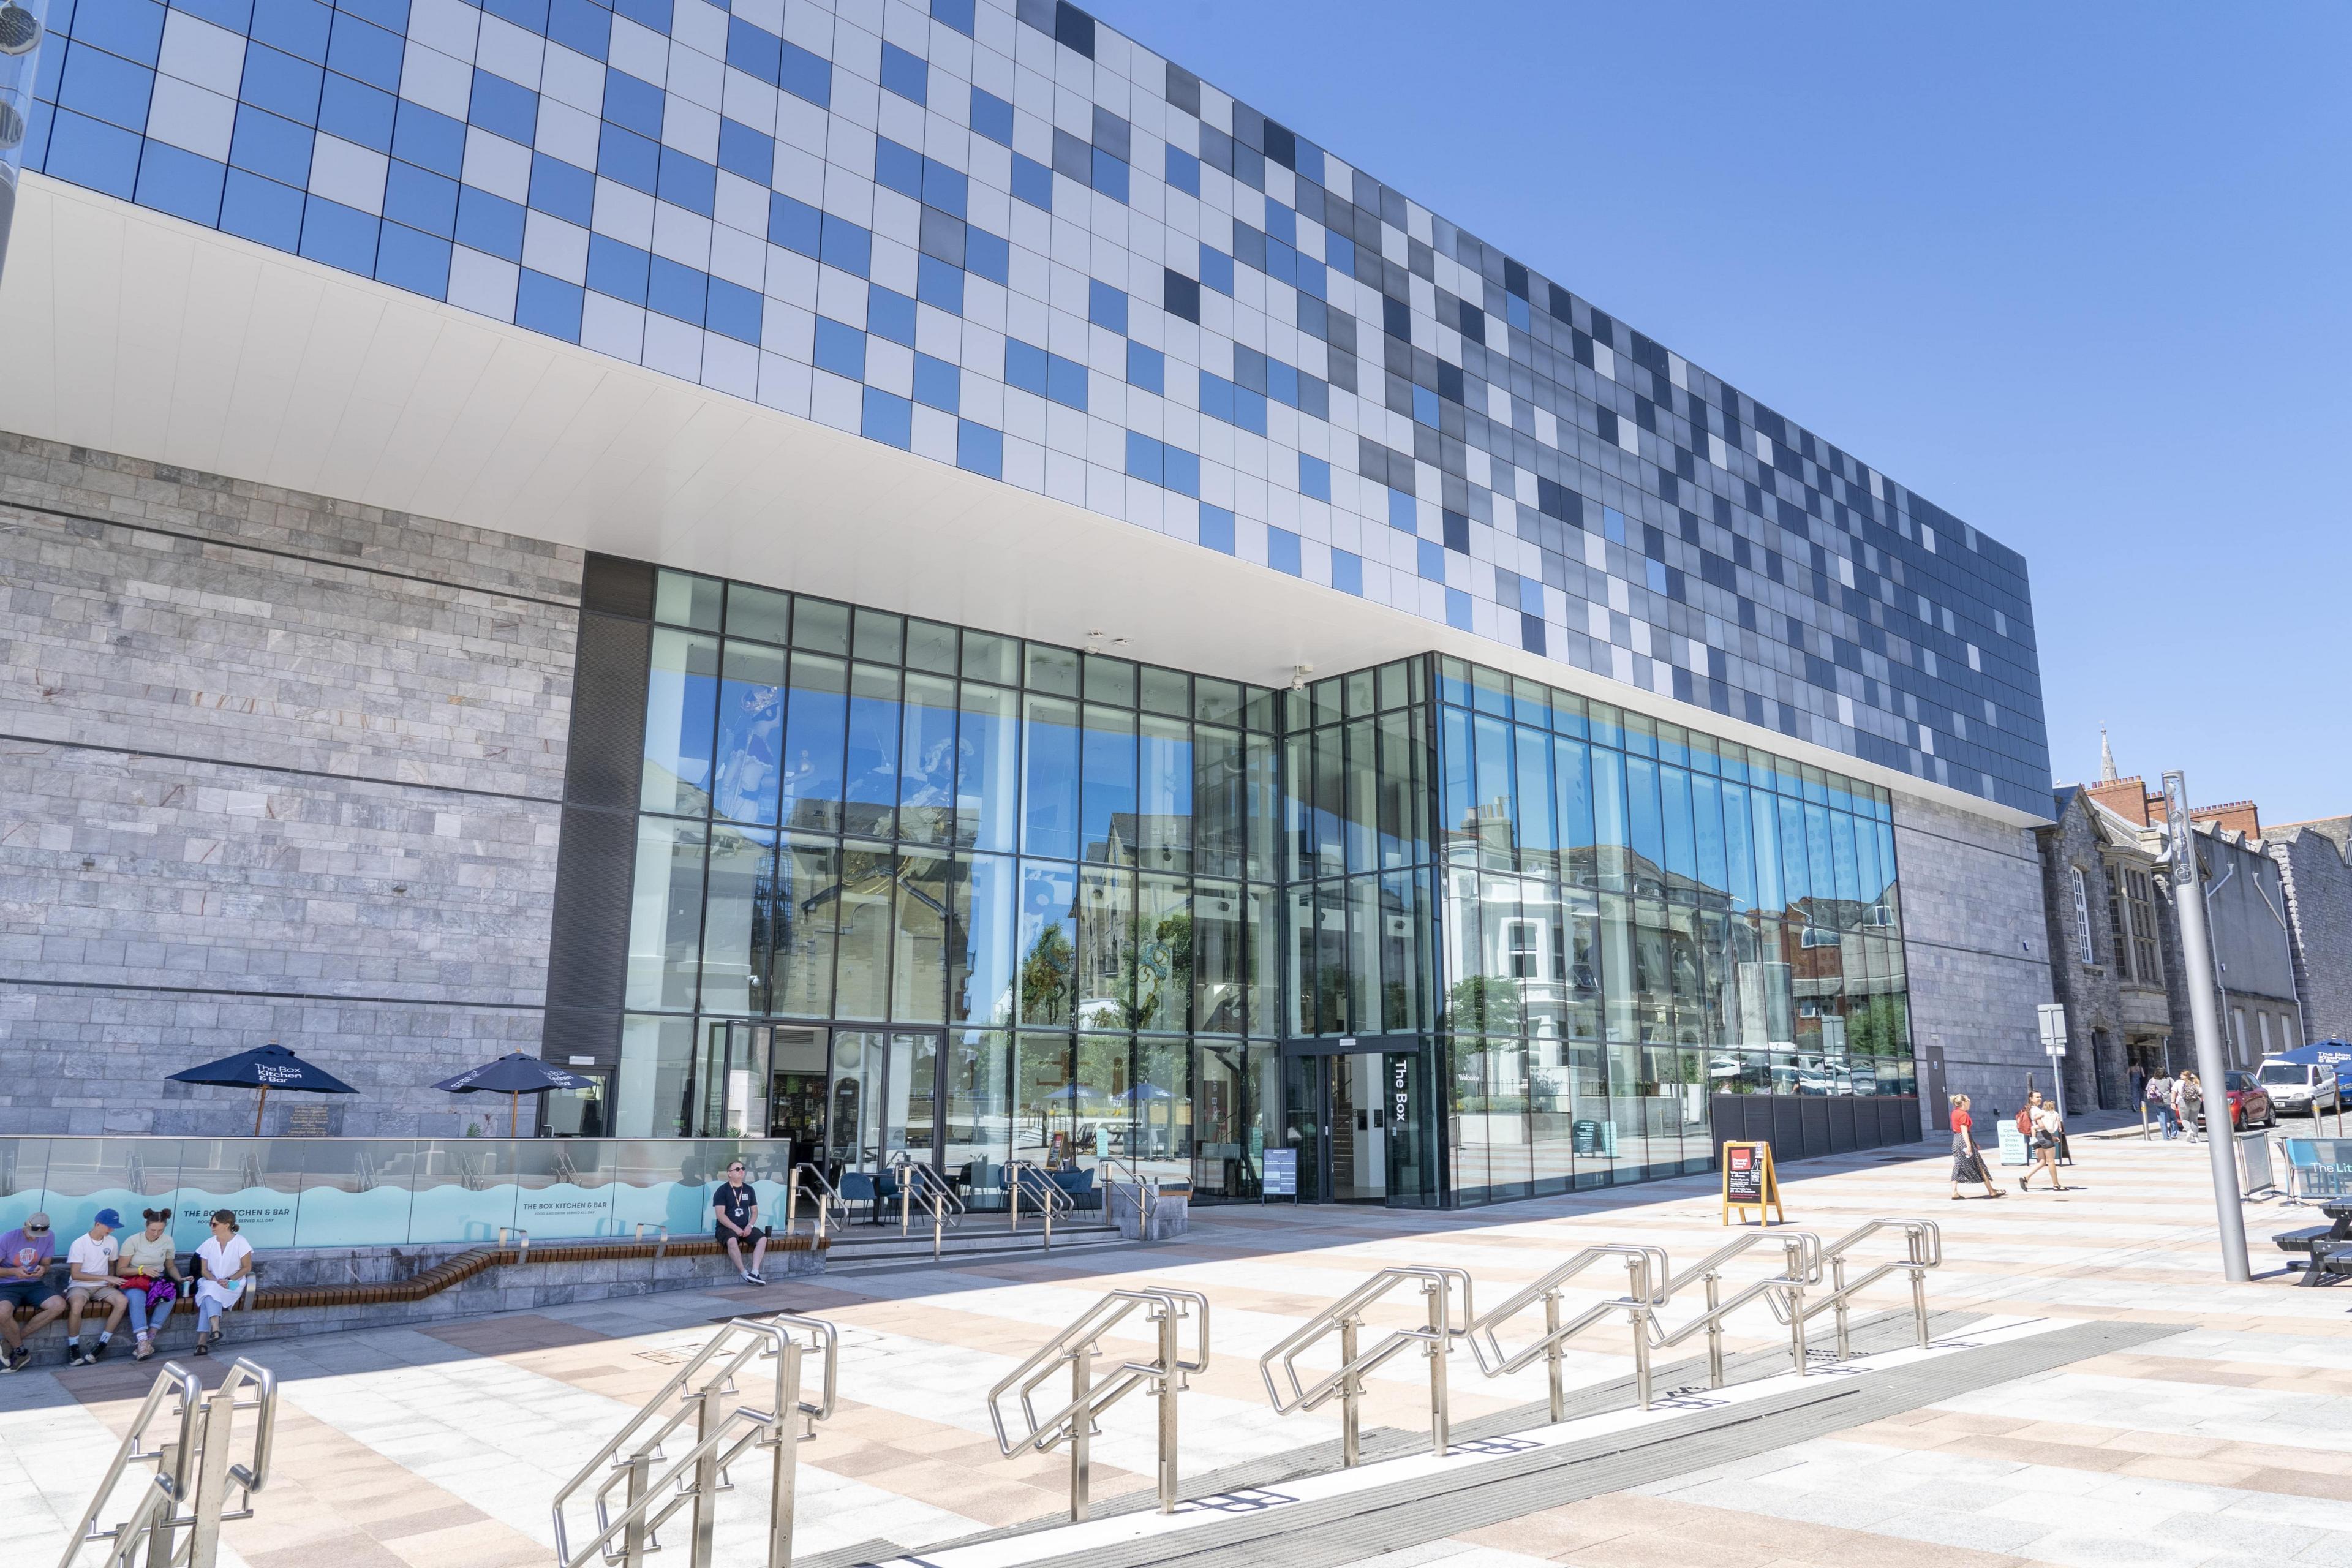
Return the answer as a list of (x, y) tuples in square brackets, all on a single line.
[(2311, 859), (2106, 947)]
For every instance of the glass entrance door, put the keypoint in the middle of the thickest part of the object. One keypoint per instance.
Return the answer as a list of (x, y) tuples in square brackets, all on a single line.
[(728, 1096), (1333, 1116), (884, 1098)]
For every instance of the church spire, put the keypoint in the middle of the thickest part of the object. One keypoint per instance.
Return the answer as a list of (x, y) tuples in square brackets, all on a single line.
[(2107, 758)]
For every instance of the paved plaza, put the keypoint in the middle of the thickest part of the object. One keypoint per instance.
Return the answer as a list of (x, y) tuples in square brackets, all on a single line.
[(2222, 1436)]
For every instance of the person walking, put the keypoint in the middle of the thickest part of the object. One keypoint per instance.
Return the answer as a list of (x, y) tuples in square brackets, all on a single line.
[(1968, 1161), (2042, 1122), (2139, 1095), (2160, 1099), (2189, 1104), (150, 1279)]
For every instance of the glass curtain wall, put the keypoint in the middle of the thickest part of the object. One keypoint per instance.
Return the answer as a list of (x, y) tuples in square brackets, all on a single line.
[(1031, 893), (1636, 916)]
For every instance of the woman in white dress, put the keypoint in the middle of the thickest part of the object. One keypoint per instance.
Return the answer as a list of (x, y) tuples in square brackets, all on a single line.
[(223, 1263)]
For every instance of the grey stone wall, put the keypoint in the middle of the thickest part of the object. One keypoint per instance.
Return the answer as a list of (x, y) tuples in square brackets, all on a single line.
[(2083, 979), (1976, 944), (2319, 906), (272, 766)]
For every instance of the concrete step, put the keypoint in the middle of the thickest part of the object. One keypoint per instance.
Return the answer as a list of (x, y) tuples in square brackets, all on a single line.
[(855, 1244)]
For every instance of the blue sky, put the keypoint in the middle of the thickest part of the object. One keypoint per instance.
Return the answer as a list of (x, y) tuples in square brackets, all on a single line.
[(2077, 274)]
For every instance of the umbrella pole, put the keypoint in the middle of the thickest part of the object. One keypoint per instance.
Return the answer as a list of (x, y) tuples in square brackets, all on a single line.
[(257, 1106), (514, 1113)]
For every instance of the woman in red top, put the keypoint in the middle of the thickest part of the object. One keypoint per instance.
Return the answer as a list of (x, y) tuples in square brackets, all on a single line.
[(1967, 1164)]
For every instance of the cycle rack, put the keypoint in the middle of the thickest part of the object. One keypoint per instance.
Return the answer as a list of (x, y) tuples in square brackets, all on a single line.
[(1647, 1290), (1923, 1250), (1436, 1337), (699, 1475), (1800, 1268), (1079, 1344), (192, 1469)]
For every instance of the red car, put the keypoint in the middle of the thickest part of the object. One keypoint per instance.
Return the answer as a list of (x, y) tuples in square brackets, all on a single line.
[(2250, 1103)]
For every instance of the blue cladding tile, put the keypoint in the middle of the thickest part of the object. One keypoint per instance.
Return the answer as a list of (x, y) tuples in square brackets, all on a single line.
[(391, 14), (421, 199), (1107, 306), (652, 13), (1282, 382), (279, 82), (846, 246), (991, 116), (1457, 610), (236, 15), (260, 209), (745, 152), (365, 51), (1455, 527), (548, 305), (530, 16), (1249, 410), (988, 255), (1430, 560), (634, 104), (938, 384), (840, 348), (628, 159), (794, 225), (888, 418), (180, 183), (505, 108), (1217, 529), (1347, 573), (297, 26), (1033, 181), (1339, 253), (1402, 516), (1216, 270), (267, 145), (677, 291), (340, 235), (898, 168), (1024, 366), (753, 51), (890, 314), (1282, 551), (564, 189), (807, 76), (416, 262), (979, 450), (1065, 382), (939, 284), (106, 87), (580, 25), (1183, 171), (617, 268), (688, 181), (1314, 477), (1281, 223), (1146, 459), (428, 138), (1216, 396), (132, 29), (956, 14), (1110, 175), (489, 223), (357, 113), (905, 74), (1147, 368), (734, 310), (944, 188), (1183, 470), (1425, 406), (91, 153)]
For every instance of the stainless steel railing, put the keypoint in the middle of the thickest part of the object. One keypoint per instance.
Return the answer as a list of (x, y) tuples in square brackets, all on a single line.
[(920, 1184), (192, 1470), (722, 1434), (1923, 1249), (1784, 1293), (1345, 1317), (1147, 1191), (1092, 1392), (1646, 1290), (1047, 1197), (828, 1201)]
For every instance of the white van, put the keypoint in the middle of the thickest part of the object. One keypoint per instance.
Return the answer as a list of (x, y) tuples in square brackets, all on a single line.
[(2305, 1087)]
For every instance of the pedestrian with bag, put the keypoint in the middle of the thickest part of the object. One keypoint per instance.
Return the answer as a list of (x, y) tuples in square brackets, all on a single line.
[(1968, 1161), (2189, 1104), (2159, 1100), (2040, 1124), (150, 1279)]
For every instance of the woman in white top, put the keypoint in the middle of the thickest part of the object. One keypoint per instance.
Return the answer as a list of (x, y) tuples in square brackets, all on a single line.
[(2044, 1121), (223, 1263)]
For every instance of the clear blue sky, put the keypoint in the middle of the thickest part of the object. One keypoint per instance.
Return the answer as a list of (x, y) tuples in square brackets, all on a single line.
[(2077, 274)]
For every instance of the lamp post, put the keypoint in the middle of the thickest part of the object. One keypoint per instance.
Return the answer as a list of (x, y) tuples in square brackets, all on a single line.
[(2205, 1023)]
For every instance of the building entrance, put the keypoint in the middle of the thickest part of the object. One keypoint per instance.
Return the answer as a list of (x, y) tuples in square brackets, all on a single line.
[(1353, 1119)]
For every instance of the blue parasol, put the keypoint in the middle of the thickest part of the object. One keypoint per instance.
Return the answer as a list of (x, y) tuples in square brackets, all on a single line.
[(265, 1068), (513, 1075)]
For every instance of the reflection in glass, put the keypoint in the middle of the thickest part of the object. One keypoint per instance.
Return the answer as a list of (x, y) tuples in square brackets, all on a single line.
[(870, 776), (735, 931), (807, 900), (1048, 941), (750, 733), (815, 717), (919, 944), (1049, 786), (1105, 996), (665, 914), (982, 932), (863, 989), (1165, 938), (1108, 830), (987, 745), (681, 703), (926, 789)]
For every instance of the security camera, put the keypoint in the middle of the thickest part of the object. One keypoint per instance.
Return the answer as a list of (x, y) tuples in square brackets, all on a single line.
[(1298, 674)]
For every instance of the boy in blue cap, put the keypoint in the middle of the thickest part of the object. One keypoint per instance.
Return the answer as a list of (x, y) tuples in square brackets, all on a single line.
[(90, 1279)]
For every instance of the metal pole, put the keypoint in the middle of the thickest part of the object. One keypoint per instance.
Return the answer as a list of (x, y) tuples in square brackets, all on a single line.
[(785, 1469), (1012, 1192), (1552, 1354), (1082, 1376), (2197, 957), (1919, 1304), (212, 1475), (1637, 1288), (1440, 1414), (1168, 1375), (1714, 1333), (705, 1483), (1351, 1390), (1837, 1305), (633, 1533), (1797, 1348), (160, 1535)]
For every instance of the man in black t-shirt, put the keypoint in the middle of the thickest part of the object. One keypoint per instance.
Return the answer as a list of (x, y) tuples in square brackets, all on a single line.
[(737, 1206)]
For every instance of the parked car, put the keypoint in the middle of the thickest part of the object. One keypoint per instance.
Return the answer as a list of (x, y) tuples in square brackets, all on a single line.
[(2250, 1104), (2308, 1088)]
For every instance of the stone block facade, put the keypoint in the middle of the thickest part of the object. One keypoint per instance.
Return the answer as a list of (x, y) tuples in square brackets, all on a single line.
[(2319, 909), (2085, 978), (272, 766), (1976, 943)]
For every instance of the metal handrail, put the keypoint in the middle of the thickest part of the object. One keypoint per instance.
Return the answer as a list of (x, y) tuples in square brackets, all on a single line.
[(1784, 1293), (777, 1338), (1021, 1176), (1647, 1271), (1436, 1337), (921, 1183), (827, 1199), (1923, 1250), (1147, 1201), (195, 1468), (1165, 1308)]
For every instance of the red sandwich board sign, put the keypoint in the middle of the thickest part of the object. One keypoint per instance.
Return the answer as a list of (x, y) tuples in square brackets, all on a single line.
[(1748, 1182)]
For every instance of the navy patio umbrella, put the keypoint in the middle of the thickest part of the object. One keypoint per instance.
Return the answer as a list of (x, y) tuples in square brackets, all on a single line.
[(513, 1075), (265, 1068)]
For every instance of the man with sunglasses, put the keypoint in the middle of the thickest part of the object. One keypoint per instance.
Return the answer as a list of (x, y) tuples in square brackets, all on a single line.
[(737, 1203), (26, 1254)]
